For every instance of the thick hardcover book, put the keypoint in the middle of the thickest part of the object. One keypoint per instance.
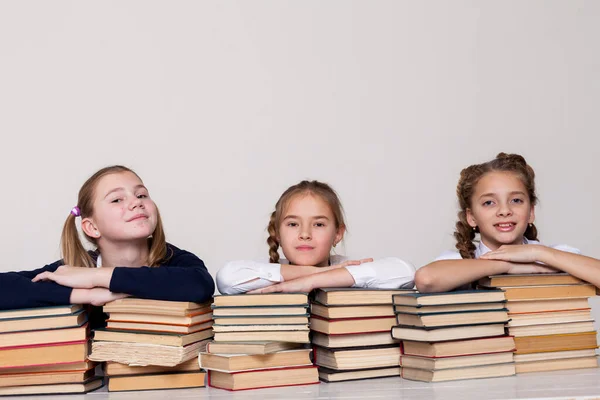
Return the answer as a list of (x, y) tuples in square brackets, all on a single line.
[(437, 334), (47, 336), (265, 378), (169, 339), (356, 296), (156, 307), (451, 319), (529, 280), (271, 299), (43, 354), (40, 311), (173, 380), (246, 362), (65, 388), (456, 297), (36, 323), (351, 325), (333, 375)]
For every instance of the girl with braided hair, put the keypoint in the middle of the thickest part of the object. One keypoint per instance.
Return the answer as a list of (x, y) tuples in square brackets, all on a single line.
[(307, 223), (497, 201)]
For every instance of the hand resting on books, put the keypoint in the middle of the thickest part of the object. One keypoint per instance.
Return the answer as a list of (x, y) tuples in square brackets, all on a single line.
[(339, 277), (95, 296), (520, 253), (77, 277)]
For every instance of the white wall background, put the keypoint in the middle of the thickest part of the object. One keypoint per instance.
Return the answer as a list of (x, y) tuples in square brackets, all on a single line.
[(220, 106)]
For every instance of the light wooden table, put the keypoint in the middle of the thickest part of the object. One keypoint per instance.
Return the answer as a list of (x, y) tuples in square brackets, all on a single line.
[(584, 383)]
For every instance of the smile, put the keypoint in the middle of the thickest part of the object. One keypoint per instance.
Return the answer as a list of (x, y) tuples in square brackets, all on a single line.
[(138, 217), (505, 226)]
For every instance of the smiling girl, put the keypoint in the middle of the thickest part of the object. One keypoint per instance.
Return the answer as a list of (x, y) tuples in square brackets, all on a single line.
[(497, 200), (307, 223), (121, 221)]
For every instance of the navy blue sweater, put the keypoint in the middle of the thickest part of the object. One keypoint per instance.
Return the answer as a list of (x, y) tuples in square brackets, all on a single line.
[(182, 277)]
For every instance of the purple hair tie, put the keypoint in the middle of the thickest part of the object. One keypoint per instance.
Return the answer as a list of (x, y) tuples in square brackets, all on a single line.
[(76, 211)]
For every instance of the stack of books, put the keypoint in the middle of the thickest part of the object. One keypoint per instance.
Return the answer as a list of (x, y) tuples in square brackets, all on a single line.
[(550, 320), (351, 333), (259, 340), (45, 350), (148, 342), (454, 335)]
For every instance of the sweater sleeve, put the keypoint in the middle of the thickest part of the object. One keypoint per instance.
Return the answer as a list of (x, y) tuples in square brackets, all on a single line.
[(244, 276), (17, 291), (384, 273), (183, 278)]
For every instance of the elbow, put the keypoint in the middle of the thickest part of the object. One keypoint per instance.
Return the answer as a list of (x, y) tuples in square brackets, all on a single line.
[(203, 288), (408, 272), (209, 289), (424, 280), (226, 278)]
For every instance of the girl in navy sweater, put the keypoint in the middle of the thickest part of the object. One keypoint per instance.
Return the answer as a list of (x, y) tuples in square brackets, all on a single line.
[(120, 219)]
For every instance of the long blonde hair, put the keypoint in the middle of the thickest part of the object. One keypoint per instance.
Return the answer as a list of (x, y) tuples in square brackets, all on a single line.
[(72, 249), (323, 190)]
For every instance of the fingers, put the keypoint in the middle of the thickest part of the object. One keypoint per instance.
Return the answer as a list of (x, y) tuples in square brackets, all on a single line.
[(492, 256), (44, 276), (350, 262), (269, 289), (356, 262)]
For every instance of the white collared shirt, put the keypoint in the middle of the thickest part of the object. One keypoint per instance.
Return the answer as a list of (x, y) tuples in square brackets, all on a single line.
[(385, 273), (481, 249)]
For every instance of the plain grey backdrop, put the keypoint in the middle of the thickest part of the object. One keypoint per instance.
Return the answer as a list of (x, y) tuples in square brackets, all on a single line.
[(220, 106)]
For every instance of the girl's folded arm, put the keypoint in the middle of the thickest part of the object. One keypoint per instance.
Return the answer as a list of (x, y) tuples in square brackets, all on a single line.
[(18, 291), (185, 278), (384, 273), (446, 275)]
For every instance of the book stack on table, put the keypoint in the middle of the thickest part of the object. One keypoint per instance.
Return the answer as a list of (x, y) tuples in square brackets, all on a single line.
[(351, 333), (153, 344), (45, 350), (550, 319), (453, 335), (259, 342)]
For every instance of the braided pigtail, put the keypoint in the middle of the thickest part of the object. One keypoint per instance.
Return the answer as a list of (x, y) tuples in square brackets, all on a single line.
[(272, 239), (464, 236)]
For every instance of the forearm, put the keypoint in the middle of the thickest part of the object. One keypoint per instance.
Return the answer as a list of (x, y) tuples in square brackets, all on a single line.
[(338, 277), (102, 276), (446, 275), (582, 267), (17, 291), (95, 296), (291, 272)]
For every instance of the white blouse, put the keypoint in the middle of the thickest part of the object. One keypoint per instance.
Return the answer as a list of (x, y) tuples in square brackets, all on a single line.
[(386, 273), (482, 249)]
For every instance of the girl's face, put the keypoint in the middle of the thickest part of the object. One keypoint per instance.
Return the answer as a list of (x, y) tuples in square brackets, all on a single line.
[(307, 231), (123, 210), (501, 208)]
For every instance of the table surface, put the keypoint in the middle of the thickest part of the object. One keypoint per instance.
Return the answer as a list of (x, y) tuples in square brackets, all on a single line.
[(582, 383)]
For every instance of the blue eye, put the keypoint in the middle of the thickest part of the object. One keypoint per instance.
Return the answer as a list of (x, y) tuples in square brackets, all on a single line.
[(517, 200), (488, 203)]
